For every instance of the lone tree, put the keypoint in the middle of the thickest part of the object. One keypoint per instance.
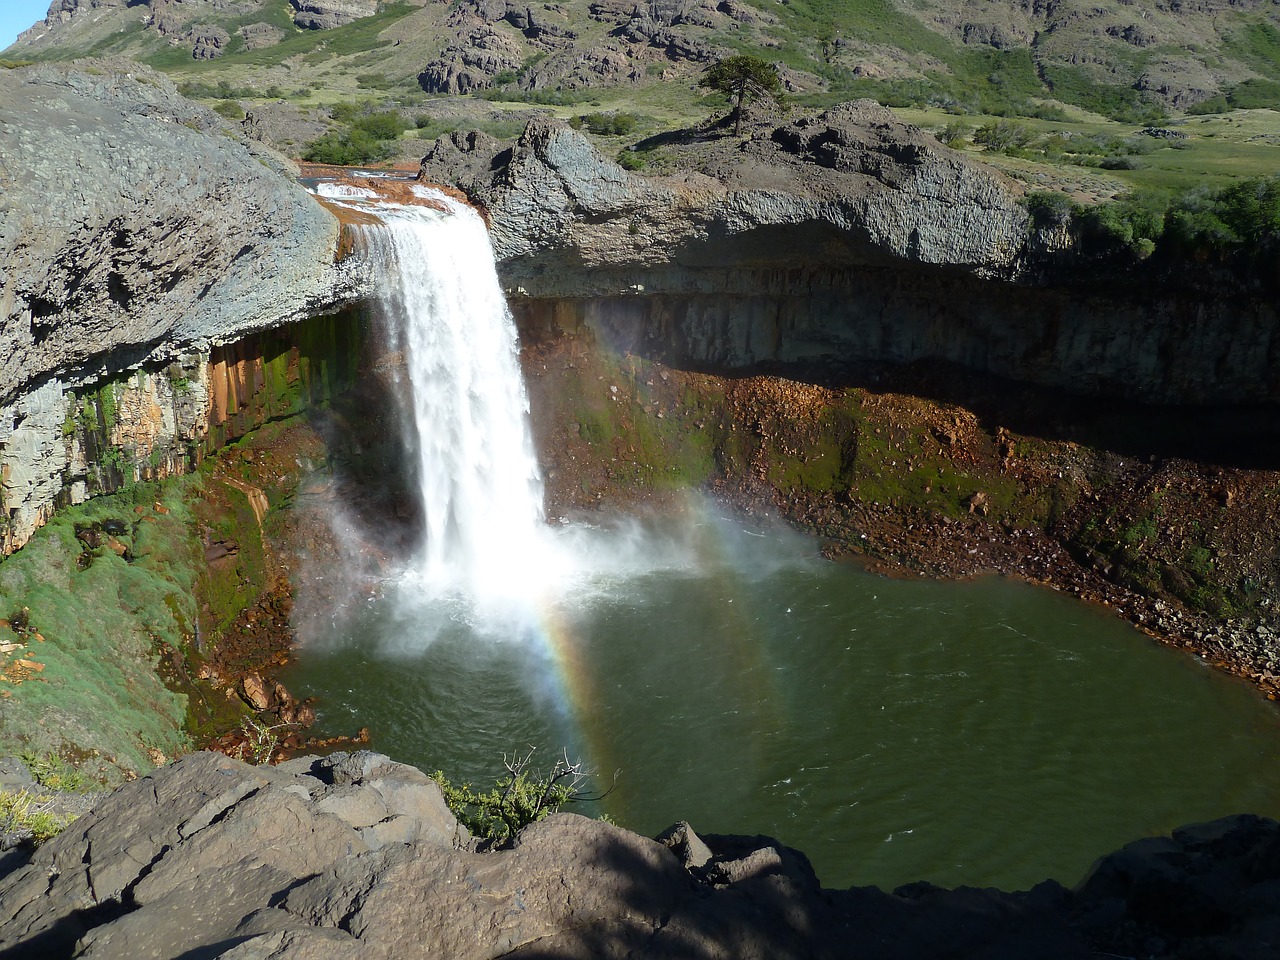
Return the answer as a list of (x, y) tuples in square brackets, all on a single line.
[(743, 78)]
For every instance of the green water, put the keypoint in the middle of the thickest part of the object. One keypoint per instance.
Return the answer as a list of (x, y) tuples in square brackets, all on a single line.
[(986, 733)]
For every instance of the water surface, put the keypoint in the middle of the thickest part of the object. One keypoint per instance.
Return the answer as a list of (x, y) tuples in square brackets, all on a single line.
[(986, 732)]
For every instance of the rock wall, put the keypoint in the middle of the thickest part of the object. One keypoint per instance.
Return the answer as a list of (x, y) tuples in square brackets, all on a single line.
[(161, 420), (842, 238), (136, 230), (1122, 344)]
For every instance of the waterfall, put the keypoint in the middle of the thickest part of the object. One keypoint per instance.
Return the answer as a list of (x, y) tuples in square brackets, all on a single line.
[(487, 562), (478, 478)]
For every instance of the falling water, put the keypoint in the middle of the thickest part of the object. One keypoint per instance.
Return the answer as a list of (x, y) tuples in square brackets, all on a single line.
[(965, 733), (481, 494)]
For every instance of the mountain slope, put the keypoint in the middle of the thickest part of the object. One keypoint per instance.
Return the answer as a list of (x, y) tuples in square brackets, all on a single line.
[(1111, 56)]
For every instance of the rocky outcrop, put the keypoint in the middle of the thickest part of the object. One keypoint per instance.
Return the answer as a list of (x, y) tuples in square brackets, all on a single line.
[(207, 42), (357, 856), (133, 231), (257, 36), (472, 64), (845, 237), (852, 186), (327, 14)]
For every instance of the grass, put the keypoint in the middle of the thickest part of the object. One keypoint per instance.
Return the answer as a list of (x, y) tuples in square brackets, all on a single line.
[(1219, 149), (24, 813), (94, 632), (1257, 43), (313, 46)]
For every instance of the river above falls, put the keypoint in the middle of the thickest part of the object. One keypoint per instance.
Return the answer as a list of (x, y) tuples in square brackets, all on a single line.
[(985, 733)]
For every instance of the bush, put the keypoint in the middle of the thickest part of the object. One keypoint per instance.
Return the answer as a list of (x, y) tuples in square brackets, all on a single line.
[(1216, 104), (55, 773), (1121, 163), (1245, 215), (520, 797), (1003, 136), (368, 138), (347, 149), (632, 160), (1135, 222), (955, 134), (607, 124), (1049, 209), (386, 125), (1254, 94)]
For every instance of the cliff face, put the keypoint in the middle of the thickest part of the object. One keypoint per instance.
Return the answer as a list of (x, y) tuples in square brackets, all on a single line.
[(851, 186), (841, 238), (1133, 346), (134, 231)]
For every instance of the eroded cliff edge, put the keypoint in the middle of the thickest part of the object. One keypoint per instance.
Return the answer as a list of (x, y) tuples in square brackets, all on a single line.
[(136, 229), (846, 237)]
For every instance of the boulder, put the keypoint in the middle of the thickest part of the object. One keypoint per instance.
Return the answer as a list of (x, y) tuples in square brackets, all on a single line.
[(132, 230), (327, 14), (207, 42)]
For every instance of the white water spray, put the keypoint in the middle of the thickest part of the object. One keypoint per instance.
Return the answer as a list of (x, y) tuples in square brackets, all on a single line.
[(488, 559), (478, 478)]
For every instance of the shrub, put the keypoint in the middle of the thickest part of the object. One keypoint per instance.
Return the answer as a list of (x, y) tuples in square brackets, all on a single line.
[(1216, 104), (347, 149), (1243, 215), (1049, 208), (607, 124), (386, 125), (55, 773), (26, 815), (520, 797), (1003, 136), (1135, 222), (955, 134), (367, 139), (1254, 94), (632, 160)]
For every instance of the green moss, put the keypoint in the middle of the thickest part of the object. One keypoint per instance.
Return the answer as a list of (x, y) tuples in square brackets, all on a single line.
[(99, 695)]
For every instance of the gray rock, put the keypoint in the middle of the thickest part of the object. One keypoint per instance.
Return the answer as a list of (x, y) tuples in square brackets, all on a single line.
[(855, 174), (327, 14), (211, 857), (132, 230), (256, 36), (686, 845)]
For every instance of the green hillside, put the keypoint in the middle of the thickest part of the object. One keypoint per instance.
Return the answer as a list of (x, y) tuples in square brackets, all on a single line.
[(1075, 84)]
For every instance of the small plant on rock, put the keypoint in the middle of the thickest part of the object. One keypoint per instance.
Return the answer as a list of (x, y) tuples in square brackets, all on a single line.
[(520, 797), (261, 741), (26, 817), (55, 773)]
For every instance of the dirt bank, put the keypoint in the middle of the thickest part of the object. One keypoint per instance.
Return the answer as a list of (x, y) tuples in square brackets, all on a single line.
[(1109, 504)]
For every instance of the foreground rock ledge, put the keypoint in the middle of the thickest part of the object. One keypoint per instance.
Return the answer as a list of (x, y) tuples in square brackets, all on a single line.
[(355, 855)]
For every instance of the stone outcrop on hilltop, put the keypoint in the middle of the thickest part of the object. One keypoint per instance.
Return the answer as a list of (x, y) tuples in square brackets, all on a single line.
[(133, 230), (191, 22), (845, 237), (853, 185), (356, 856), (327, 14)]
